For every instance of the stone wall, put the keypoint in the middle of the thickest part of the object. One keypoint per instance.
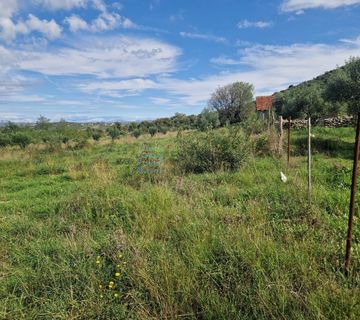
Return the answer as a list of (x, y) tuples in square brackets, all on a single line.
[(336, 122)]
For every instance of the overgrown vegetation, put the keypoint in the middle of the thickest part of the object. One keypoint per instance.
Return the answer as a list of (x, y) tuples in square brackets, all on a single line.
[(225, 149), (91, 229), (236, 244)]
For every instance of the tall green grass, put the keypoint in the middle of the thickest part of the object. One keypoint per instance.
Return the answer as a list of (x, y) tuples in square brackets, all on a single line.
[(218, 245)]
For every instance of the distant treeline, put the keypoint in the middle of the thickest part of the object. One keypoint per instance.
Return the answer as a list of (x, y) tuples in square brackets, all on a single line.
[(62, 132)]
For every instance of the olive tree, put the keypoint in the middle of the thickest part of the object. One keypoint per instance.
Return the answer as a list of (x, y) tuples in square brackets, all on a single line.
[(208, 119), (344, 86), (153, 130), (233, 102)]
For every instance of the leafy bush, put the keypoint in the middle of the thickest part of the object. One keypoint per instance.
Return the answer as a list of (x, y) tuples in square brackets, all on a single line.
[(153, 131), (208, 119), (266, 144), (114, 132), (65, 139), (10, 127), (4, 140), (136, 133), (163, 130), (96, 135), (21, 140), (225, 149)]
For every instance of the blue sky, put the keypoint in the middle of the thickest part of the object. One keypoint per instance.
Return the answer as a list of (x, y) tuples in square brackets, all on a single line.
[(102, 60)]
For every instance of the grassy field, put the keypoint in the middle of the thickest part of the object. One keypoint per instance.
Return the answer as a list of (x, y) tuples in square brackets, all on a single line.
[(224, 245)]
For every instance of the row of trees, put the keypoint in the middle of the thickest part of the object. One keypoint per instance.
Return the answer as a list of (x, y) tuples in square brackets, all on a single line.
[(230, 104)]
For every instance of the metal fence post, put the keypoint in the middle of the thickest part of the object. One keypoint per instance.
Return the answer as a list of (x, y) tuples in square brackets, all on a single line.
[(281, 138), (309, 160), (352, 198)]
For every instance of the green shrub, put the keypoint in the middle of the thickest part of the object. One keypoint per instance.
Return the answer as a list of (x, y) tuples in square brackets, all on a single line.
[(4, 140), (114, 133), (21, 140), (254, 125), (65, 139), (267, 143), (225, 149), (153, 131), (163, 130), (96, 135)]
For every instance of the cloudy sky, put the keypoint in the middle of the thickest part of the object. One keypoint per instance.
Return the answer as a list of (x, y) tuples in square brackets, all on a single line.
[(94, 60)]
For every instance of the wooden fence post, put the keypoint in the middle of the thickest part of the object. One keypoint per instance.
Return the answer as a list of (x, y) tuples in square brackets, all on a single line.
[(289, 140), (352, 198), (281, 138)]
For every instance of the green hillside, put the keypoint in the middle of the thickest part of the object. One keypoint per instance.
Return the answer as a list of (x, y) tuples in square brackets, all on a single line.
[(333, 93)]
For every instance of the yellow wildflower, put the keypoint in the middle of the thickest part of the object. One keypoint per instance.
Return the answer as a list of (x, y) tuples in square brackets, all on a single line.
[(116, 295), (97, 261), (117, 274), (100, 286)]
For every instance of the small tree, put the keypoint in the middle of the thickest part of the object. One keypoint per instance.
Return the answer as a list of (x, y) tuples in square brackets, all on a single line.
[(344, 86), (42, 123), (208, 120), (11, 127), (96, 135), (234, 102), (153, 131), (114, 133), (136, 133), (163, 130), (4, 140)]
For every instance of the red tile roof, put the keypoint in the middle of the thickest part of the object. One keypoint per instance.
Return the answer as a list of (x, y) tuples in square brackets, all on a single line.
[(264, 103)]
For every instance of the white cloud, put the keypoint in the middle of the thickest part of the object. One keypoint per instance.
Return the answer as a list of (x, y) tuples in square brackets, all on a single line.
[(10, 82), (8, 8), (76, 23), (120, 57), (201, 36), (104, 22), (9, 29), (244, 24), (61, 4), (224, 61), (298, 5), (50, 29), (99, 5), (23, 99), (160, 101), (271, 68), (109, 21), (118, 88)]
